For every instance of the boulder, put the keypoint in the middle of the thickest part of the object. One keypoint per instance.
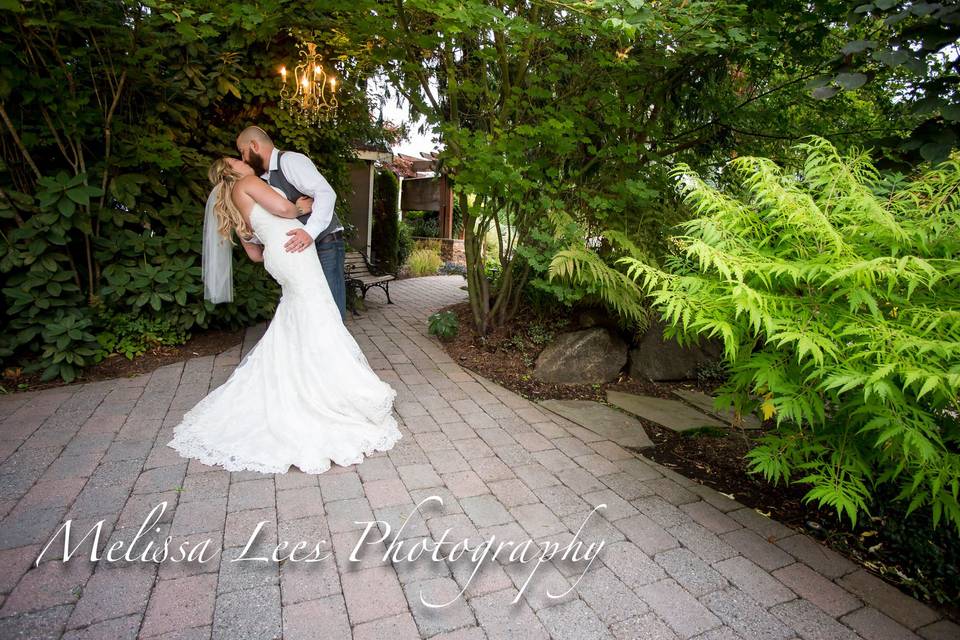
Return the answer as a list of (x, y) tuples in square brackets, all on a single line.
[(663, 360), (582, 357)]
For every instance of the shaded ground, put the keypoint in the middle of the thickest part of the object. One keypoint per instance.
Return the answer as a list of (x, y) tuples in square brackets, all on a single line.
[(206, 343), (507, 357), (680, 560), (921, 561)]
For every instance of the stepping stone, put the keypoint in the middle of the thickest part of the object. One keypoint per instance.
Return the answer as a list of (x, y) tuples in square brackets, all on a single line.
[(614, 425), (672, 414), (705, 403)]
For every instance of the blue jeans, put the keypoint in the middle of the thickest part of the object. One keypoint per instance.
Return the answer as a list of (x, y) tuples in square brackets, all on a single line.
[(332, 255)]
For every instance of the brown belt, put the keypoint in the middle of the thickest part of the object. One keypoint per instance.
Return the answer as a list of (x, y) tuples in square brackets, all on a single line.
[(331, 237)]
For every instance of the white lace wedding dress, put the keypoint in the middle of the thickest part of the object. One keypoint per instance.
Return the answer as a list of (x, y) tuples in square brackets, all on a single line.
[(305, 394)]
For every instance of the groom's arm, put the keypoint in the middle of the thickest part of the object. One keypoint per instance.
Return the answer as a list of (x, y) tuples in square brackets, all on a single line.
[(303, 175)]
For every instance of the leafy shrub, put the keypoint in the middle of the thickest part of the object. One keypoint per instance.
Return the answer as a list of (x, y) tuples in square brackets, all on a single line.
[(100, 208), (423, 262), (443, 324), (386, 226), (543, 293), (426, 226), (68, 346), (133, 335), (428, 244), (837, 296), (540, 334), (579, 272), (907, 551), (404, 242), (712, 372), (492, 270)]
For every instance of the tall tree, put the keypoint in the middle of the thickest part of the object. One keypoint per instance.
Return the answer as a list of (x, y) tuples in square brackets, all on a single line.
[(910, 48), (550, 108)]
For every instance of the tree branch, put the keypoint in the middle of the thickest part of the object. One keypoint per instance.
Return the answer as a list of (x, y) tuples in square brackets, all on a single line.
[(18, 141)]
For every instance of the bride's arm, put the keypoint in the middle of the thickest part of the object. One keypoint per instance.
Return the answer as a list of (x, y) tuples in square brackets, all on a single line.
[(254, 250), (256, 190)]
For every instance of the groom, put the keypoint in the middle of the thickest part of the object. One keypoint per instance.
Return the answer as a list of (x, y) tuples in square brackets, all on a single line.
[(295, 175)]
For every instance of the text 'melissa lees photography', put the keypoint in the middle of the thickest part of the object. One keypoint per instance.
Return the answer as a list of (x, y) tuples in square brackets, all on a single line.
[(377, 533)]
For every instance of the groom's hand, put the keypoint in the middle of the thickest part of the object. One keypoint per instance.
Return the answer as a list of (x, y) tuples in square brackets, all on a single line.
[(299, 241), (306, 204)]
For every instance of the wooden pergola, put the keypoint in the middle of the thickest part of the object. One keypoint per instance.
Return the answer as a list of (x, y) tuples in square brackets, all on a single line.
[(425, 193)]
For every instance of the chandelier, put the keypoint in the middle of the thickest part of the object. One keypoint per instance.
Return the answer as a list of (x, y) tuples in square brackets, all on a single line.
[(311, 97)]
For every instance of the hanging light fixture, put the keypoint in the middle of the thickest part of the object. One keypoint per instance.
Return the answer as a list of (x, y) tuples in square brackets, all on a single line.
[(310, 95)]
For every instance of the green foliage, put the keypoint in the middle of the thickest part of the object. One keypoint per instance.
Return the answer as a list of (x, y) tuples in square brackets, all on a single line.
[(423, 224), (428, 244), (912, 46), (68, 346), (424, 262), (133, 335), (404, 242), (908, 551), (542, 291), (386, 230), (705, 432), (596, 273), (457, 219), (576, 107), (111, 115), (540, 334), (354, 297), (443, 324), (712, 372), (836, 292)]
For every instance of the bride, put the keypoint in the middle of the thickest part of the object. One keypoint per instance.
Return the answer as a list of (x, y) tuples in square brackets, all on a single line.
[(305, 394)]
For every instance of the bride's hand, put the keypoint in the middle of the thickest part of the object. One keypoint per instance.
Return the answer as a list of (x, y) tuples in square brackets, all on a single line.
[(306, 204)]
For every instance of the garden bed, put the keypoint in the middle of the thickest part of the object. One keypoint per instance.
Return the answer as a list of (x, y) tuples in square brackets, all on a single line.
[(905, 551), (206, 343)]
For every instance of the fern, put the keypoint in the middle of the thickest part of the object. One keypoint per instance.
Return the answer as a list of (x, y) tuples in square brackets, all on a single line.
[(836, 292), (583, 267)]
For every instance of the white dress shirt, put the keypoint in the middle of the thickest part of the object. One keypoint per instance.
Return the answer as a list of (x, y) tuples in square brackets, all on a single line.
[(299, 170)]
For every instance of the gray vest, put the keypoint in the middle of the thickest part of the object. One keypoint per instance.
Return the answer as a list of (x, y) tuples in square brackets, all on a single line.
[(278, 180)]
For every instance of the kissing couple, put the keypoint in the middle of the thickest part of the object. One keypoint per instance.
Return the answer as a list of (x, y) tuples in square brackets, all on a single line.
[(305, 394)]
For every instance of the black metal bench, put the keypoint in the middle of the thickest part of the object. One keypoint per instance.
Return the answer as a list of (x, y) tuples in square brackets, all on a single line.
[(359, 273)]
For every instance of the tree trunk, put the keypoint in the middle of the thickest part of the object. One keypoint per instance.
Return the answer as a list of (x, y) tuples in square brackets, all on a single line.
[(475, 274)]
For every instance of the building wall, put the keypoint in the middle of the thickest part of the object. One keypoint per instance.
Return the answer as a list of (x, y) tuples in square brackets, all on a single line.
[(359, 201), (429, 194), (420, 194)]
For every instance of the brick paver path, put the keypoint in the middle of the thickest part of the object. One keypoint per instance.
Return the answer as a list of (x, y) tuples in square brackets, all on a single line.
[(680, 559)]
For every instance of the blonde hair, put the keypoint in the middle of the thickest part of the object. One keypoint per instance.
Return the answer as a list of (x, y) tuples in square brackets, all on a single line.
[(229, 218)]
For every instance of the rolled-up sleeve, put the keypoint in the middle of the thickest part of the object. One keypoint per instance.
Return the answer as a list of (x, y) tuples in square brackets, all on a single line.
[(303, 175)]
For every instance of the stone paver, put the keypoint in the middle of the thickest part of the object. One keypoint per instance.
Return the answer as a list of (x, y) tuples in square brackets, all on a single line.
[(679, 560), (672, 414), (705, 403), (611, 424)]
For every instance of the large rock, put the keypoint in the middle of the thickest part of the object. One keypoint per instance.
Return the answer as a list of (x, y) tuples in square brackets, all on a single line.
[(663, 360), (582, 357)]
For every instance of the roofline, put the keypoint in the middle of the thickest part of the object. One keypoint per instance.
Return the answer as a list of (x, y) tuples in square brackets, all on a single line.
[(373, 156)]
